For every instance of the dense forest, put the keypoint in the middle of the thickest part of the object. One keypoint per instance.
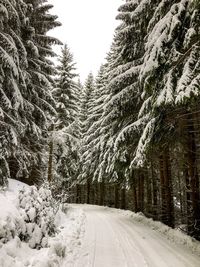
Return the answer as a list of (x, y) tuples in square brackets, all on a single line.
[(128, 138)]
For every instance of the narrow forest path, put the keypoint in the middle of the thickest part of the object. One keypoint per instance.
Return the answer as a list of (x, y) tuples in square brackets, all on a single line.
[(114, 240)]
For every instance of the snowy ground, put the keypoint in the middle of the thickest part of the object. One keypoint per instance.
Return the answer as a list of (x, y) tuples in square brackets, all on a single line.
[(63, 248), (117, 238), (93, 236)]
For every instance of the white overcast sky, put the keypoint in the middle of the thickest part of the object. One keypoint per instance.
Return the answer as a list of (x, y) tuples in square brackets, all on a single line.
[(87, 28)]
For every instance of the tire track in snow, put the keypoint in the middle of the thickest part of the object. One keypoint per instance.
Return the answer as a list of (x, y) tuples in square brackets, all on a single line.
[(133, 254), (114, 240), (117, 237)]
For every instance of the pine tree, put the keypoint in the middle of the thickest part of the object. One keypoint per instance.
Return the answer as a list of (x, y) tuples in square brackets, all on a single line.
[(92, 138), (39, 82), (119, 120), (25, 86), (162, 66), (170, 79), (66, 132), (66, 92), (13, 62), (87, 105)]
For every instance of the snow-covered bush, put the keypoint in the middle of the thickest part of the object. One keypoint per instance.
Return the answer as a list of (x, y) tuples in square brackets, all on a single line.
[(11, 223), (60, 196), (9, 228), (38, 210)]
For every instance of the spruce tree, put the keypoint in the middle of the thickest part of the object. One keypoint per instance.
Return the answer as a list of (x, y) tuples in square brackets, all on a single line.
[(92, 140), (39, 82), (13, 63), (66, 91), (169, 78), (66, 126), (119, 124), (25, 87), (87, 104)]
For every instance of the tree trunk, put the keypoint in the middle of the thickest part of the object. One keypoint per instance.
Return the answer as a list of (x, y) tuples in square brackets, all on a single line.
[(141, 192), (92, 193), (50, 163), (192, 182), (116, 195), (96, 193), (155, 192), (83, 193), (180, 195), (135, 199), (167, 208), (148, 190), (123, 198), (78, 193), (101, 192), (88, 191), (133, 183)]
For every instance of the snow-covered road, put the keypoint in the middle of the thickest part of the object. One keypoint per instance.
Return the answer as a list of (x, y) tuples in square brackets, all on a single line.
[(115, 240)]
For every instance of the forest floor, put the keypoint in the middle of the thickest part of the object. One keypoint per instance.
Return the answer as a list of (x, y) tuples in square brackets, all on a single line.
[(113, 238)]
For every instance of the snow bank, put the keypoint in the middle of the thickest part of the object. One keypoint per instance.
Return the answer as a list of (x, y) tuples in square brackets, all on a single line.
[(11, 222), (15, 186), (10, 219), (61, 248), (67, 243), (174, 235)]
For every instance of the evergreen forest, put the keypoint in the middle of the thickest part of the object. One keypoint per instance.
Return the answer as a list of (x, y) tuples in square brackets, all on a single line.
[(126, 138)]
